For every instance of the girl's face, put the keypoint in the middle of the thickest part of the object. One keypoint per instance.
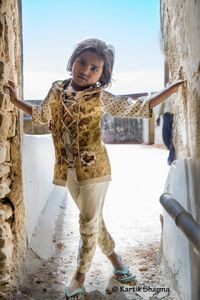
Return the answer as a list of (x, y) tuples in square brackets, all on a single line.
[(86, 70)]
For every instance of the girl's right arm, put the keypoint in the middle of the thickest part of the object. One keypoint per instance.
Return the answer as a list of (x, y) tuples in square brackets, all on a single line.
[(165, 93), (27, 108)]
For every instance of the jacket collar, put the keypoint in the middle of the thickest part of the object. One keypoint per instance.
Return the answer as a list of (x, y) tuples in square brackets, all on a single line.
[(63, 84)]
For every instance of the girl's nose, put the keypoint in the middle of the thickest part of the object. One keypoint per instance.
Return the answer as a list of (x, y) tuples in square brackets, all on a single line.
[(85, 70)]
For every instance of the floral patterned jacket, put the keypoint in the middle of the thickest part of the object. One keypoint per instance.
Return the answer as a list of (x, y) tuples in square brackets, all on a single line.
[(74, 119)]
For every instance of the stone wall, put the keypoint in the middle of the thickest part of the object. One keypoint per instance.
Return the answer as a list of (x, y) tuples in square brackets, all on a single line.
[(12, 220), (180, 29)]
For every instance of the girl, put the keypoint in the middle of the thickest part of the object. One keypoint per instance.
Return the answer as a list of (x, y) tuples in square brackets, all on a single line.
[(74, 109)]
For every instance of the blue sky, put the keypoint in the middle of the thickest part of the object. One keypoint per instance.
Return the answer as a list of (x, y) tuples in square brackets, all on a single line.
[(51, 29)]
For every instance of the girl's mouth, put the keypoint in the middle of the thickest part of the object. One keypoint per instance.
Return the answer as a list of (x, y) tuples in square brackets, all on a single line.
[(82, 78)]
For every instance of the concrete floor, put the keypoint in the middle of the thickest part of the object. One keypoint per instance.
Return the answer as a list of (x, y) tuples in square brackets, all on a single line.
[(132, 214)]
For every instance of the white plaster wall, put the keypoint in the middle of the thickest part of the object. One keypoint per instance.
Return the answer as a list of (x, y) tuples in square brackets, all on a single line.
[(38, 165), (152, 134), (179, 255), (157, 129)]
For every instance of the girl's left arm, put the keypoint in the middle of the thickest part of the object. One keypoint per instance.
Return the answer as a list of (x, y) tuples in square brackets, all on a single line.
[(164, 94), (124, 106)]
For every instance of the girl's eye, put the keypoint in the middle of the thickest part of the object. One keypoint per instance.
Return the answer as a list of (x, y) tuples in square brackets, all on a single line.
[(95, 69), (81, 62)]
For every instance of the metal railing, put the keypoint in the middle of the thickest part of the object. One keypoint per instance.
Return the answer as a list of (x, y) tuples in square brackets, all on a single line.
[(183, 219)]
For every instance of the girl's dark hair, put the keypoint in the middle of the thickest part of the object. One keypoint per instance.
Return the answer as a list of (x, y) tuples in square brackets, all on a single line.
[(106, 52)]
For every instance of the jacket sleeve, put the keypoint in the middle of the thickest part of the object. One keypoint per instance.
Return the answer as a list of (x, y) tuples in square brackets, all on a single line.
[(124, 106), (41, 114)]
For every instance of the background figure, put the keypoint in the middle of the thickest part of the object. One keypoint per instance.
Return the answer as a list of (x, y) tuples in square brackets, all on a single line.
[(166, 110)]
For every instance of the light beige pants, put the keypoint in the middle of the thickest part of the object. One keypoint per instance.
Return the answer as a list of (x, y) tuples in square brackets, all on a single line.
[(90, 199)]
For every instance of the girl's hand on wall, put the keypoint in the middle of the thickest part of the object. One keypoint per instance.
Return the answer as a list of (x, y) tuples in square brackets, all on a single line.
[(12, 89), (167, 92), (22, 105), (175, 85)]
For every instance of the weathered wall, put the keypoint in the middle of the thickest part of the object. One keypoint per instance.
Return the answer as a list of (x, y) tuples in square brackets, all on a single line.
[(12, 221), (180, 28)]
